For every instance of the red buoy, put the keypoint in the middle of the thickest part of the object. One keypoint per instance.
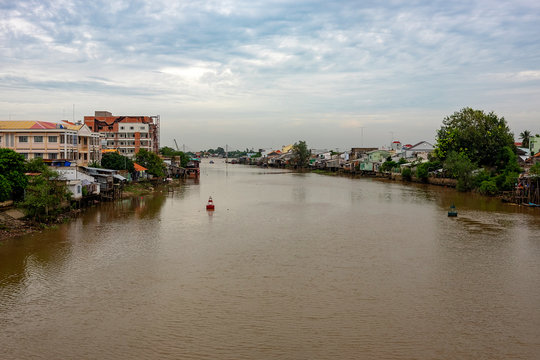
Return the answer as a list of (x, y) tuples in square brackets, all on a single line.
[(210, 205)]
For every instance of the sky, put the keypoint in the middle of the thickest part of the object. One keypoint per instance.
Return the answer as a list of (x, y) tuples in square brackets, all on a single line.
[(263, 74)]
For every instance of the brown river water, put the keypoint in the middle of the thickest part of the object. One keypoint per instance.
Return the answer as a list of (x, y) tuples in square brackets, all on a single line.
[(289, 266)]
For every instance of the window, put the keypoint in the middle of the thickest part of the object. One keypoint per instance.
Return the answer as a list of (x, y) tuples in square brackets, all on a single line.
[(62, 139), (23, 139), (53, 139), (38, 155), (25, 156), (131, 128), (53, 156), (142, 127), (38, 139), (121, 128), (78, 189)]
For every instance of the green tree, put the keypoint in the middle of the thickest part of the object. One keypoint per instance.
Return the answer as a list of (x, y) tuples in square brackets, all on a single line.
[(389, 165), (5, 188), (12, 169), (220, 151), (36, 165), (475, 133), (170, 152), (460, 167), (488, 187), (535, 169), (525, 136), (44, 195), (151, 161), (301, 154), (406, 174), (423, 169), (115, 161), (422, 172)]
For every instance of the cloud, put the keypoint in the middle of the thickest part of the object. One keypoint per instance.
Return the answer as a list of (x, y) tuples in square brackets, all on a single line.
[(273, 62)]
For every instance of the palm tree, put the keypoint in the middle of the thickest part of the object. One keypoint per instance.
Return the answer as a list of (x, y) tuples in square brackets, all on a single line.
[(524, 136)]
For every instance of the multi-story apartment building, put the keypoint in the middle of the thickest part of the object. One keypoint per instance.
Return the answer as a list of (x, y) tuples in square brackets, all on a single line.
[(127, 134), (51, 141)]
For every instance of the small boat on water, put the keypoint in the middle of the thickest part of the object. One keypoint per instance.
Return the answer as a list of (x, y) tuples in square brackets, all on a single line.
[(211, 161), (210, 205), (452, 212)]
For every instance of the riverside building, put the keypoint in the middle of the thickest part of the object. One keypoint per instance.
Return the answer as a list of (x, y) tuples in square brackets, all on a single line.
[(127, 134), (62, 141)]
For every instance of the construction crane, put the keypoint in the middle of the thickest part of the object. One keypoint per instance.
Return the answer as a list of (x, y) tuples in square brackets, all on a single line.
[(176, 145)]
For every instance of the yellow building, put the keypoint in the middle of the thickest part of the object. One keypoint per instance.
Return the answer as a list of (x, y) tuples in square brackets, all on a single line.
[(286, 149), (51, 141)]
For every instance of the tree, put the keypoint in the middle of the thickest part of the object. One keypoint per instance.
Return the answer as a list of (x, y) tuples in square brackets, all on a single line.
[(12, 178), (44, 195), (115, 161), (170, 152), (460, 167), (36, 165), (535, 169), (525, 136), (389, 165), (151, 161), (220, 151), (301, 154), (474, 133)]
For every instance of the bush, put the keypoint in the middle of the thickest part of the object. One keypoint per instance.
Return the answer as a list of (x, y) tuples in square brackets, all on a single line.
[(460, 167), (406, 174), (422, 171), (510, 181), (5, 188), (535, 169), (388, 165), (488, 187), (480, 177)]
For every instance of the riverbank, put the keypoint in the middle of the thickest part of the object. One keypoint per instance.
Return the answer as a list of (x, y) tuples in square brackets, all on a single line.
[(14, 223)]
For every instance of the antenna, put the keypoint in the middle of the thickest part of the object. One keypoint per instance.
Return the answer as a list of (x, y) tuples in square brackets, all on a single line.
[(362, 136)]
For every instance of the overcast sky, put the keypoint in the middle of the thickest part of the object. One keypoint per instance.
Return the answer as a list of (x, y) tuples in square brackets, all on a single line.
[(268, 73)]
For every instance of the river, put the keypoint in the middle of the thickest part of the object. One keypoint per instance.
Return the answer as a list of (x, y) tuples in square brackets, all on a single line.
[(289, 266)]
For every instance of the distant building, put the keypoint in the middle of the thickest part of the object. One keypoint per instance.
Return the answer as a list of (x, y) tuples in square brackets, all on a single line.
[(534, 144), (422, 148), (358, 152), (127, 134)]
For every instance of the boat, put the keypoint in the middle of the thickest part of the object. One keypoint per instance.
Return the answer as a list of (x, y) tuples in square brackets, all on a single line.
[(452, 212), (211, 161), (210, 205)]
